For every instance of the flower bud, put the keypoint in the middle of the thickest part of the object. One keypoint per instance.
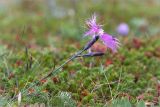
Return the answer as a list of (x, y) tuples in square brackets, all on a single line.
[(91, 43), (92, 54)]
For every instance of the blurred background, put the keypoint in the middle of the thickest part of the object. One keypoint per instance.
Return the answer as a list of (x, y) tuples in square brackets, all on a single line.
[(57, 19), (38, 35)]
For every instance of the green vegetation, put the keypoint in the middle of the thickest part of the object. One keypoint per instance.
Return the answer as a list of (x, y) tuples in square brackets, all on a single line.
[(33, 44)]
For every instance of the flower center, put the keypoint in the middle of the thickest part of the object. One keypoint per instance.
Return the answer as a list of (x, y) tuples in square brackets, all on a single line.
[(101, 32)]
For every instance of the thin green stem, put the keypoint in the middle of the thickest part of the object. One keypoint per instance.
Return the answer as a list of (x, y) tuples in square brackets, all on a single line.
[(52, 73), (57, 69)]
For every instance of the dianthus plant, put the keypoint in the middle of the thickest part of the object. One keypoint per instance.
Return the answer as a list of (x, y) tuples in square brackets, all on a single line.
[(96, 32)]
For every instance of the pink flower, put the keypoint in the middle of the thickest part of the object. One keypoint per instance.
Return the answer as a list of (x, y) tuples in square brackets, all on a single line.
[(110, 41), (96, 30), (123, 29)]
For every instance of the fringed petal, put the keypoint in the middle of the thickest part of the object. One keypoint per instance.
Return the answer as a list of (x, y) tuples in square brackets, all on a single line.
[(110, 42)]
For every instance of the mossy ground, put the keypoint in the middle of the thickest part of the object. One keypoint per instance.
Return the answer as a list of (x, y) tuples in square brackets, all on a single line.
[(30, 47)]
